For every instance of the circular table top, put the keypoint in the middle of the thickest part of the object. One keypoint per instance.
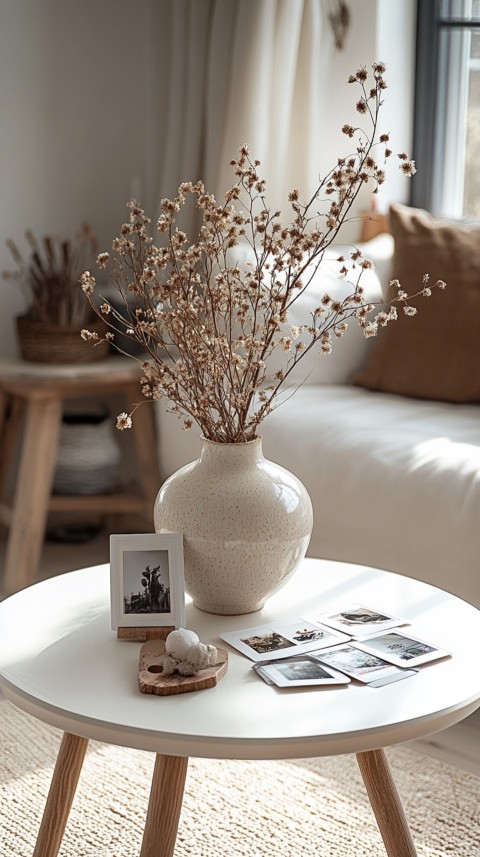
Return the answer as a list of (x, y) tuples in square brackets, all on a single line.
[(61, 662)]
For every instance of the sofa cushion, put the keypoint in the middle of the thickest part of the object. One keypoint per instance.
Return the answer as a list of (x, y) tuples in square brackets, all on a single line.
[(435, 354), (352, 350)]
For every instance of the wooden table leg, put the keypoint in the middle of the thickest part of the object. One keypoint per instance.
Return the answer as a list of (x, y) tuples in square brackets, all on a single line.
[(62, 791), (386, 804), (164, 807), (32, 492)]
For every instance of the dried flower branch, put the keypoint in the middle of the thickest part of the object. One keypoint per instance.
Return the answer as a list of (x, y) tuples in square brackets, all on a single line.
[(49, 276), (209, 326)]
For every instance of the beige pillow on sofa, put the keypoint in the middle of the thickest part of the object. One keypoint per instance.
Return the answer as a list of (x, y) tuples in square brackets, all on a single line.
[(435, 354)]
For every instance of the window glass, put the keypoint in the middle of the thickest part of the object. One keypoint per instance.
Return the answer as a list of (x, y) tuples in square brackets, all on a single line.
[(457, 186), (471, 196)]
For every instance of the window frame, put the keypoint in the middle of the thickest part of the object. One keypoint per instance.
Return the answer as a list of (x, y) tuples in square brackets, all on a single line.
[(441, 99)]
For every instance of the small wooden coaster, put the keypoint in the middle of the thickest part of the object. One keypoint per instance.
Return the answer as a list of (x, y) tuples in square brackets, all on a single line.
[(151, 679), (141, 634)]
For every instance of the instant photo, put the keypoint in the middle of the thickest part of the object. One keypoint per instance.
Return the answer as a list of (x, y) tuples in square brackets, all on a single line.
[(299, 672), (402, 650), (268, 642), (362, 666), (360, 621)]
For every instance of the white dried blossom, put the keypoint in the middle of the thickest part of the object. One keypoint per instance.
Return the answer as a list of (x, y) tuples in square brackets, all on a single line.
[(87, 282), (124, 421), (370, 329), (89, 335)]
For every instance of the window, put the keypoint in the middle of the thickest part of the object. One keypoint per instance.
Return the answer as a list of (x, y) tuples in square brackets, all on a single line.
[(447, 110)]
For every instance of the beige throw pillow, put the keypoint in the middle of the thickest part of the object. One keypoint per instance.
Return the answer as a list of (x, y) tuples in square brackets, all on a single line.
[(436, 353)]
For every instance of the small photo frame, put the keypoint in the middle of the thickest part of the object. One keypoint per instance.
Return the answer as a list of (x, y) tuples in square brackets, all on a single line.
[(147, 586)]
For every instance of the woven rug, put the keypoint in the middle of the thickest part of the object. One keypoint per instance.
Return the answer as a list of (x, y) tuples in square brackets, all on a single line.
[(240, 809)]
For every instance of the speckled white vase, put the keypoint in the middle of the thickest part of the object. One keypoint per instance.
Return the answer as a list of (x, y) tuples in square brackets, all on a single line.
[(246, 525)]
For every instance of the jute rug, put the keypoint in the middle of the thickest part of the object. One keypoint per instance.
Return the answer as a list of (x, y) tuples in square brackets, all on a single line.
[(239, 809)]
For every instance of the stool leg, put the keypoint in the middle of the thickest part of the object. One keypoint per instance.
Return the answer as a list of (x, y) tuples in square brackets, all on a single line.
[(32, 492), (11, 424), (386, 804), (144, 437), (164, 807), (62, 791)]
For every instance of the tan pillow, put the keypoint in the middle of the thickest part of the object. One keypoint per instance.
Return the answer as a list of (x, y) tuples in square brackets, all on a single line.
[(434, 354)]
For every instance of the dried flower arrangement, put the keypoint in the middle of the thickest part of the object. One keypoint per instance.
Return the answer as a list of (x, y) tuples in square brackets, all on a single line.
[(208, 326), (49, 277)]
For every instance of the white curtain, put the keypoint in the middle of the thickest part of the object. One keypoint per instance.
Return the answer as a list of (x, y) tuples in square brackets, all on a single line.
[(243, 71)]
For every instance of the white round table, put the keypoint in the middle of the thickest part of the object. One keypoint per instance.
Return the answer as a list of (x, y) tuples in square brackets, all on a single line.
[(61, 662)]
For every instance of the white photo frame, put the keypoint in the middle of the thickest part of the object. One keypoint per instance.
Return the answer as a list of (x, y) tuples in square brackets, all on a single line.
[(147, 587)]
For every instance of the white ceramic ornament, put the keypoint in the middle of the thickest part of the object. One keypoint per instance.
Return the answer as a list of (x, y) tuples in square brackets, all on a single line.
[(179, 642), (185, 654)]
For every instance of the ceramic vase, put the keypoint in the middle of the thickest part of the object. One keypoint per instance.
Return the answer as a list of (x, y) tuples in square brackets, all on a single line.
[(246, 525)]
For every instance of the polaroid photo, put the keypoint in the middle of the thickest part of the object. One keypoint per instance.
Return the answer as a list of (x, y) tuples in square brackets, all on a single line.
[(146, 580), (359, 621), (269, 642), (299, 672), (400, 649), (362, 666), (260, 643)]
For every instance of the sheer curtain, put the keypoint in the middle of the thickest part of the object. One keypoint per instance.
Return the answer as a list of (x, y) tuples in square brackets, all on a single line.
[(243, 71)]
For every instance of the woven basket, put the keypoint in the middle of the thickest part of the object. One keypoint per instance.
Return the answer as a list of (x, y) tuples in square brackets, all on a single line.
[(52, 343), (88, 455)]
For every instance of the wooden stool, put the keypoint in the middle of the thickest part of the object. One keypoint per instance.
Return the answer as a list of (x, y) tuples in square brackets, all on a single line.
[(31, 409)]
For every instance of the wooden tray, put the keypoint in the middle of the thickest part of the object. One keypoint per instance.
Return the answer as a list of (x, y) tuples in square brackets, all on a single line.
[(151, 679)]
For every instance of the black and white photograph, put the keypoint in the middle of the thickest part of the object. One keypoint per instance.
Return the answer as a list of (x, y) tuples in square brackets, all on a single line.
[(304, 632), (265, 643), (300, 672), (360, 621), (359, 665), (285, 638), (402, 650), (147, 584)]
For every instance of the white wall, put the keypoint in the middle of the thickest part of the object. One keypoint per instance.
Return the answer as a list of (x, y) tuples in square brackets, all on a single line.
[(75, 120), (81, 112), (380, 30)]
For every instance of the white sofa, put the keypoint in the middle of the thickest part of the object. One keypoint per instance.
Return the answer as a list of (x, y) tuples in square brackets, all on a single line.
[(394, 481)]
